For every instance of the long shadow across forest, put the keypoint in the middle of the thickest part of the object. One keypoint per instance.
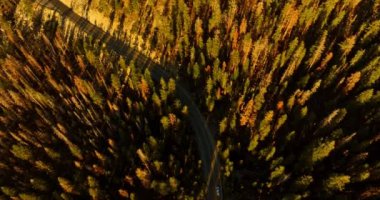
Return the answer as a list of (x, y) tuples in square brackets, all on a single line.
[(203, 136)]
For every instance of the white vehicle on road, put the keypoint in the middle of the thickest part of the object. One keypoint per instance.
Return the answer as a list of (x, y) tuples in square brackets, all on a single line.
[(218, 191)]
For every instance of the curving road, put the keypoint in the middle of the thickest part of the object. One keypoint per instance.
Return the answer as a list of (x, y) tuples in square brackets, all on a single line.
[(204, 138)]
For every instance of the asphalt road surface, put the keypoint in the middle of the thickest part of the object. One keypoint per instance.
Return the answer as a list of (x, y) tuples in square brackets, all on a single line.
[(204, 138)]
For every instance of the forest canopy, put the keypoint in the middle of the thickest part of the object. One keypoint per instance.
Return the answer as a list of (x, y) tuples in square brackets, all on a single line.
[(289, 91)]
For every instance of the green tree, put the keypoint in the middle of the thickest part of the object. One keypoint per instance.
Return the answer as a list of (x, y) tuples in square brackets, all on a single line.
[(347, 45), (216, 17), (281, 121), (322, 150), (29, 196), (171, 86), (213, 46), (223, 125), (265, 125), (196, 71), (22, 152), (371, 31), (364, 96), (336, 182), (317, 50), (277, 172), (165, 122), (10, 192), (316, 152), (173, 183), (39, 184), (93, 188), (301, 183), (66, 185)]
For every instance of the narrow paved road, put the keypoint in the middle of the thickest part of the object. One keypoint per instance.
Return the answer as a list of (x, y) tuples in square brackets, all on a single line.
[(204, 138)]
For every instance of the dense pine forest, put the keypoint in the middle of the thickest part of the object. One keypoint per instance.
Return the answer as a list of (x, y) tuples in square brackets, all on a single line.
[(289, 91)]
